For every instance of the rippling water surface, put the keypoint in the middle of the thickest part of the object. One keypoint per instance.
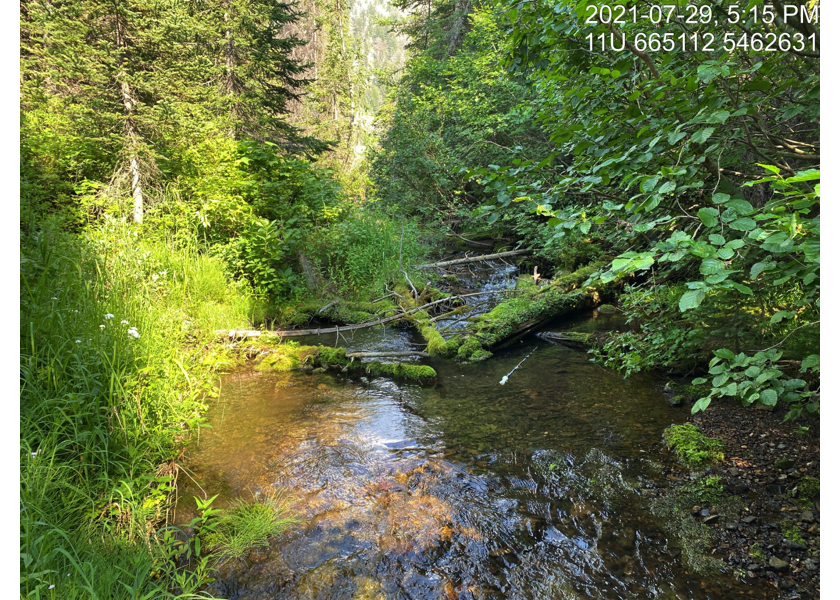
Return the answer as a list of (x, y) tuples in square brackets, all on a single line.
[(469, 489)]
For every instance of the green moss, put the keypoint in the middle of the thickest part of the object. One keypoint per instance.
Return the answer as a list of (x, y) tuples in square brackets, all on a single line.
[(421, 373), (692, 447), (706, 491), (480, 355), (282, 358), (809, 491), (453, 344), (341, 312), (791, 531), (693, 392), (695, 538), (468, 348), (289, 357), (536, 304), (289, 316), (435, 344), (756, 552), (329, 357), (784, 464)]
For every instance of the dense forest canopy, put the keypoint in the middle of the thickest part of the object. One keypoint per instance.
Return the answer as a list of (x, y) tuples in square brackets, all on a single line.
[(191, 166)]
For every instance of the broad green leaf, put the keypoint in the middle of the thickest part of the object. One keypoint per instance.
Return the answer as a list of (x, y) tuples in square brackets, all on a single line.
[(701, 404), (717, 239), (720, 379), (771, 168), (710, 266), (809, 175), (742, 288), (742, 207), (691, 299), (719, 277), (811, 361), (709, 216), (743, 224), (700, 136), (768, 397), (781, 315), (649, 183), (719, 117), (667, 187)]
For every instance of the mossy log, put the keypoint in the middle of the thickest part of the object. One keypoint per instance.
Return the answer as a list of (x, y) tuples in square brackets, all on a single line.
[(235, 334), (291, 357), (534, 308)]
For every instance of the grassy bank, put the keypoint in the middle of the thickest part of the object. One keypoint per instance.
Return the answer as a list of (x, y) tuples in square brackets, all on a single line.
[(112, 378)]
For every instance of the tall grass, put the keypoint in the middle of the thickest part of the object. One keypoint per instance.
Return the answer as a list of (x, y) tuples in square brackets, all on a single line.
[(247, 525), (112, 377)]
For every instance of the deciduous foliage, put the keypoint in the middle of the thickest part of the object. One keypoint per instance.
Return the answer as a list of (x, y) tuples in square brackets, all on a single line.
[(694, 170)]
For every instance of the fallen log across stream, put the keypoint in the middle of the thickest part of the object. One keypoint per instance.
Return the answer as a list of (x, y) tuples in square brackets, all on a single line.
[(471, 259), (255, 333), (515, 318), (386, 354)]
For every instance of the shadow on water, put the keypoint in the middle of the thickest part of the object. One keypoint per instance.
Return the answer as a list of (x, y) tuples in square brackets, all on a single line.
[(534, 489)]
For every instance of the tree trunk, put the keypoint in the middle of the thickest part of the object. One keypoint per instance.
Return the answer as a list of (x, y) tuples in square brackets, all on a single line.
[(131, 133)]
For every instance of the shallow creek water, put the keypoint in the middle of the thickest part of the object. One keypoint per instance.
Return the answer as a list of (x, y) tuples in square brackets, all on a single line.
[(469, 489)]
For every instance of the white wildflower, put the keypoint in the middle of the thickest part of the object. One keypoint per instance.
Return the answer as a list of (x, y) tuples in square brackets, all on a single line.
[(55, 298), (133, 332), (101, 326), (78, 341), (109, 316), (123, 322)]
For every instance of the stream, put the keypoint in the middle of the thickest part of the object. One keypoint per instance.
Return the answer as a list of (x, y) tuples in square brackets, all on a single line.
[(468, 489)]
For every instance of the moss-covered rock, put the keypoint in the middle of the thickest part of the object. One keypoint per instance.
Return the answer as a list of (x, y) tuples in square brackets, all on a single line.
[(808, 491), (693, 449), (690, 391)]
